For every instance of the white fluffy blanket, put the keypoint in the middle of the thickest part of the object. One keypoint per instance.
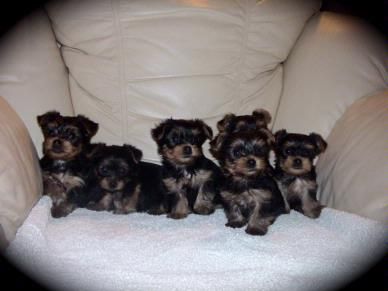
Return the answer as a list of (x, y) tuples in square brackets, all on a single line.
[(101, 251)]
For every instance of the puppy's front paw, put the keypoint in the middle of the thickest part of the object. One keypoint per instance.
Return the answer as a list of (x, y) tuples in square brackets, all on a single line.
[(157, 211), (254, 230), (314, 212), (235, 223), (204, 209), (61, 211), (177, 215)]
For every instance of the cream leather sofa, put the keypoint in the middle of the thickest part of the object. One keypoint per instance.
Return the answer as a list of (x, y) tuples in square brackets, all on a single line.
[(129, 64)]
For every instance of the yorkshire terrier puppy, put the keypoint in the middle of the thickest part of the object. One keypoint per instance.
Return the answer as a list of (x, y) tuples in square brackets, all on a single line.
[(190, 179), (295, 171), (121, 183), (250, 194), (231, 123), (64, 163)]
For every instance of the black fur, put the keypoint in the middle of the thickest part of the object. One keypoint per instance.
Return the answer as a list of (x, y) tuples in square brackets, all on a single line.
[(65, 164), (136, 176), (249, 193), (190, 179), (295, 170)]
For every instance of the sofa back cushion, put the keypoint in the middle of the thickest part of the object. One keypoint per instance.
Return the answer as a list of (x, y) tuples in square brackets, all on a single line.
[(353, 172), (33, 78), (20, 177), (134, 63)]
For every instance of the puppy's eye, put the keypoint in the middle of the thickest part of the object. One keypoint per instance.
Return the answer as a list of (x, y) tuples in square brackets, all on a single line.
[(289, 152), (193, 140), (122, 171), (260, 151), (52, 131), (251, 126), (238, 153), (175, 139), (103, 171)]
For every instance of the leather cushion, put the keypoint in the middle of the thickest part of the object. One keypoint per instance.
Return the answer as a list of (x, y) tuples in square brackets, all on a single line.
[(353, 172), (134, 63), (20, 176)]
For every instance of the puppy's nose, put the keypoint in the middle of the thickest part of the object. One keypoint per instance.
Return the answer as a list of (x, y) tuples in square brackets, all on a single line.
[(112, 184), (251, 163), (297, 162), (187, 150), (57, 143)]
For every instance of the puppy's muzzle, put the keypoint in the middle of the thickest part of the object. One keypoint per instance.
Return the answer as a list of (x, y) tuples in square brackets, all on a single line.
[(112, 184), (251, 163), (187, 151), (57, 146), (297, 163)]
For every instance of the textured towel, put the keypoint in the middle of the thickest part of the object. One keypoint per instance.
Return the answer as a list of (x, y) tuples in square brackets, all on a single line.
[(90, 250)]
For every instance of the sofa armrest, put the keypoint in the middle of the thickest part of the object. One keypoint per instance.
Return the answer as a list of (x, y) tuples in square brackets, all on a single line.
[(353, 172), (20, 176), (33, 77), (337, 60)]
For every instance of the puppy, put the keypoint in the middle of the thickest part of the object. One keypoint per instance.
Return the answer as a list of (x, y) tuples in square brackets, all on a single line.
[(230, 123), (64, 163), (250, 194), (121, 183), (189, 178), (295, 171)]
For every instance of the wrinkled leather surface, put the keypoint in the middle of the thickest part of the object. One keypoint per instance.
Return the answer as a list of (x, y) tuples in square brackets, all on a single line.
[(353, 172), (20, 177), (134, 63), (336, 61)]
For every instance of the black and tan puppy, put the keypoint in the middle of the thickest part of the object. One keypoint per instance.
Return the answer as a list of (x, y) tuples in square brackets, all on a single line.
[(250, 194), (64, 163), (231, 123), (190, 179), (295, 170), (121, 183)]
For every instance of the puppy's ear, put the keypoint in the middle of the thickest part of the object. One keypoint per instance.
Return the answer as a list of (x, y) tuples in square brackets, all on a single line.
[(160, 131), (206, 129), (319, 142), (90, 127), (223, 124), (48, 117), (95, 150), (269, 135), (279, 136), (263, 117), (216, 144), (134, 152)]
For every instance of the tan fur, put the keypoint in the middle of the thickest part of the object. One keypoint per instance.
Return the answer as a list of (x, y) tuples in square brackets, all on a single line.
[(104, 183), (176, 186), (125, 205), (181, 209), (177, 156), (202, 205), (105, 203), (287, 165), (68, 150), (252, 199), (301, 188), (283, 190), (58, 185), (240, 166)]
